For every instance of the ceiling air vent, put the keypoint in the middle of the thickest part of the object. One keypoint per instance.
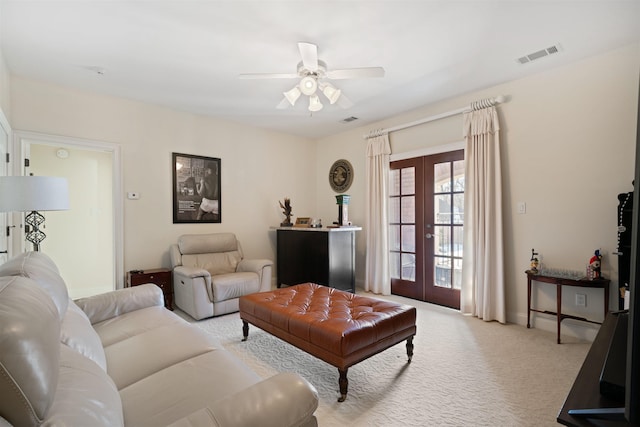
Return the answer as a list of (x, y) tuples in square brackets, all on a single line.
[(539, 54), (348, 119)]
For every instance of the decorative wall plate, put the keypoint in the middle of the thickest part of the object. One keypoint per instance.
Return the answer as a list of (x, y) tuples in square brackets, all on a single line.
[(341, 176)]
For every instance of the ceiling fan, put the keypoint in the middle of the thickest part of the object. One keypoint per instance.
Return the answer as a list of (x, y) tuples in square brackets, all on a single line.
[(312, 73)]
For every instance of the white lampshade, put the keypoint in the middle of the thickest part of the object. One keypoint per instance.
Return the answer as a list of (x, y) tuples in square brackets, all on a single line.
[(314, 103), (292, 95), (308, 85), (33, 193), (331, 93)]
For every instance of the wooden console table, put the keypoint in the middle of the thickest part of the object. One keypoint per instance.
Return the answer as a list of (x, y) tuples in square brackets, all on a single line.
[(161, 277), (560, 282)]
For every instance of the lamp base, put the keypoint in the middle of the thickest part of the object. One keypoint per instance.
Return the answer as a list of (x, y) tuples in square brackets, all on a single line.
[(35, 235)]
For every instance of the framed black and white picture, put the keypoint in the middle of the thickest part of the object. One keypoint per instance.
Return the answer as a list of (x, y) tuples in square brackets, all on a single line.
[(196, 189)]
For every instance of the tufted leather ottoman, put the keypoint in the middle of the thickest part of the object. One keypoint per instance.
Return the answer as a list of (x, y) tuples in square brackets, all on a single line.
[(338, 327)]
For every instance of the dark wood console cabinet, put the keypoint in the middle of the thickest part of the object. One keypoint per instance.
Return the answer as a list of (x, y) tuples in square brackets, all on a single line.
[(325, 256), (161, 277)]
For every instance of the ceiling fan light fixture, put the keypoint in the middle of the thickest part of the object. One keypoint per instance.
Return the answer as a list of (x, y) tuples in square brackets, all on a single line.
[(292, 95), (308, 85), (314, 103), (331, 93)]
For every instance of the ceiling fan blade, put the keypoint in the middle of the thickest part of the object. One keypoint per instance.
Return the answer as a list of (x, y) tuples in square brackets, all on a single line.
[(284, 104), (309, 54), (344, 102), (268, 76), (356, 73)]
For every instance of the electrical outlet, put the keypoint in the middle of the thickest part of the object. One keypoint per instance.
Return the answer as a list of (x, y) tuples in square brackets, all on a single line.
[(522, 208), (581, 300)]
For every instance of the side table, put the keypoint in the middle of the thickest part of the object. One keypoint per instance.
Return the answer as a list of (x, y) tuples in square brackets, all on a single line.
[(161, 277), (560, 282)]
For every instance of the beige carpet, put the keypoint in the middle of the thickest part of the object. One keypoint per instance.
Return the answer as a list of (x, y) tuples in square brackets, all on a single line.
[(465, 372)]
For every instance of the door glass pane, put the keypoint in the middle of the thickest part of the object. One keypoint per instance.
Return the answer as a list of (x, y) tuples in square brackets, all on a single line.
[(458, 208), (457, 241), (442, 272), (408, 181), (394, 210), (394, 265), (458, 175), (442, 240), (457, 274), (442, 207), (442, 177), (409, 267), (408, 209), (394, 182), (408, 239)]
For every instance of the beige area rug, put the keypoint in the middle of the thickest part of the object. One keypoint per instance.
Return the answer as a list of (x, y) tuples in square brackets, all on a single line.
[(465, 372)]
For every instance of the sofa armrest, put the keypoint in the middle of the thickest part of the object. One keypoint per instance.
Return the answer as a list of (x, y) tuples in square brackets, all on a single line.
[(111, 304), (262, 267), (255, 265), (284, 400), (192, 272)]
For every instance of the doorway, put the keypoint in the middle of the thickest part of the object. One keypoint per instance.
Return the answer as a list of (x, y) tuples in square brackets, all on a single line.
[(426, 215), (86, 240)]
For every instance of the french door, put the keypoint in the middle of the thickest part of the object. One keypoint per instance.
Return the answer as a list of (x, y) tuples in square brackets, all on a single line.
[(426, 219)]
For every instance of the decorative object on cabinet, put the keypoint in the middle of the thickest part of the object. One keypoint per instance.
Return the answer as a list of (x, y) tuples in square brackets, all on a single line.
[(160, 277), (303, 222), (343, 212), (196, 189), (32, 194), (287, 211), (341, 175)]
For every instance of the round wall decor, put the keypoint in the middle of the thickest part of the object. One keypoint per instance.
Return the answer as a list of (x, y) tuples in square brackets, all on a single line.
[(341, 176)]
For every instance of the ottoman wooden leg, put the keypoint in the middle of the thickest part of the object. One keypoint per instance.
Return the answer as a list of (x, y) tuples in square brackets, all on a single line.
[(245, 330), (410, 348), (344, 384)]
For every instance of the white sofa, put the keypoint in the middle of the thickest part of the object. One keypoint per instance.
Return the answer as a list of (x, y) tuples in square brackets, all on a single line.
[(121, 358), (210, 274)]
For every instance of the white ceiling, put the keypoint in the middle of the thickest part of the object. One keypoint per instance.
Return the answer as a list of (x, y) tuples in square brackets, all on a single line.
[(188, 54)]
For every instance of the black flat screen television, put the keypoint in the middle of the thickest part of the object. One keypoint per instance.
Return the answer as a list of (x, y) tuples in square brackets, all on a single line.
[(632, 385)]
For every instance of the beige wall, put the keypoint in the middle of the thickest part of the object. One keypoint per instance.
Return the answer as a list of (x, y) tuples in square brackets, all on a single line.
[(258, 167), (568, 139), (568, 144)]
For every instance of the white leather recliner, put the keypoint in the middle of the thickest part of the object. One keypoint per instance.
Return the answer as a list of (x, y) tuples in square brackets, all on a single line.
[(210, 274)]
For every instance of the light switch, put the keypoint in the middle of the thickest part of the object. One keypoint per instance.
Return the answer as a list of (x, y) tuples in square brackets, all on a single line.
[(133, 195)]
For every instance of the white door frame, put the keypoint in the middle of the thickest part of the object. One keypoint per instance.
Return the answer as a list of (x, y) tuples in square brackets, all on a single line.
[(6, 218), (21, 143)]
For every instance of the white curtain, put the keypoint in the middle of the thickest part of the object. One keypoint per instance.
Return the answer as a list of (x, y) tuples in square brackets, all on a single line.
[(482, 292), (377, 277)]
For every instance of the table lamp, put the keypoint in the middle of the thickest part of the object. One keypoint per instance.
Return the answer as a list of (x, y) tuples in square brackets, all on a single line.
[(32, 194)]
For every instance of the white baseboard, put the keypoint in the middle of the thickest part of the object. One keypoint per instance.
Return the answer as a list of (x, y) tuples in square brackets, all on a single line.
[(571, 328)]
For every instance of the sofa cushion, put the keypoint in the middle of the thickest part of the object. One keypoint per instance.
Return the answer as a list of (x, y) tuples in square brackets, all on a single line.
[(134, 323), (234, 285), (218, 253), (214, 263), (29, 353), (40, 268), (179, 390), (77, 333), (85, 396), (162, 347)]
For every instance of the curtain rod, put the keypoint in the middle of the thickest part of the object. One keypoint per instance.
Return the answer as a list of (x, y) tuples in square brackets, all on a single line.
[(476, 105)]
